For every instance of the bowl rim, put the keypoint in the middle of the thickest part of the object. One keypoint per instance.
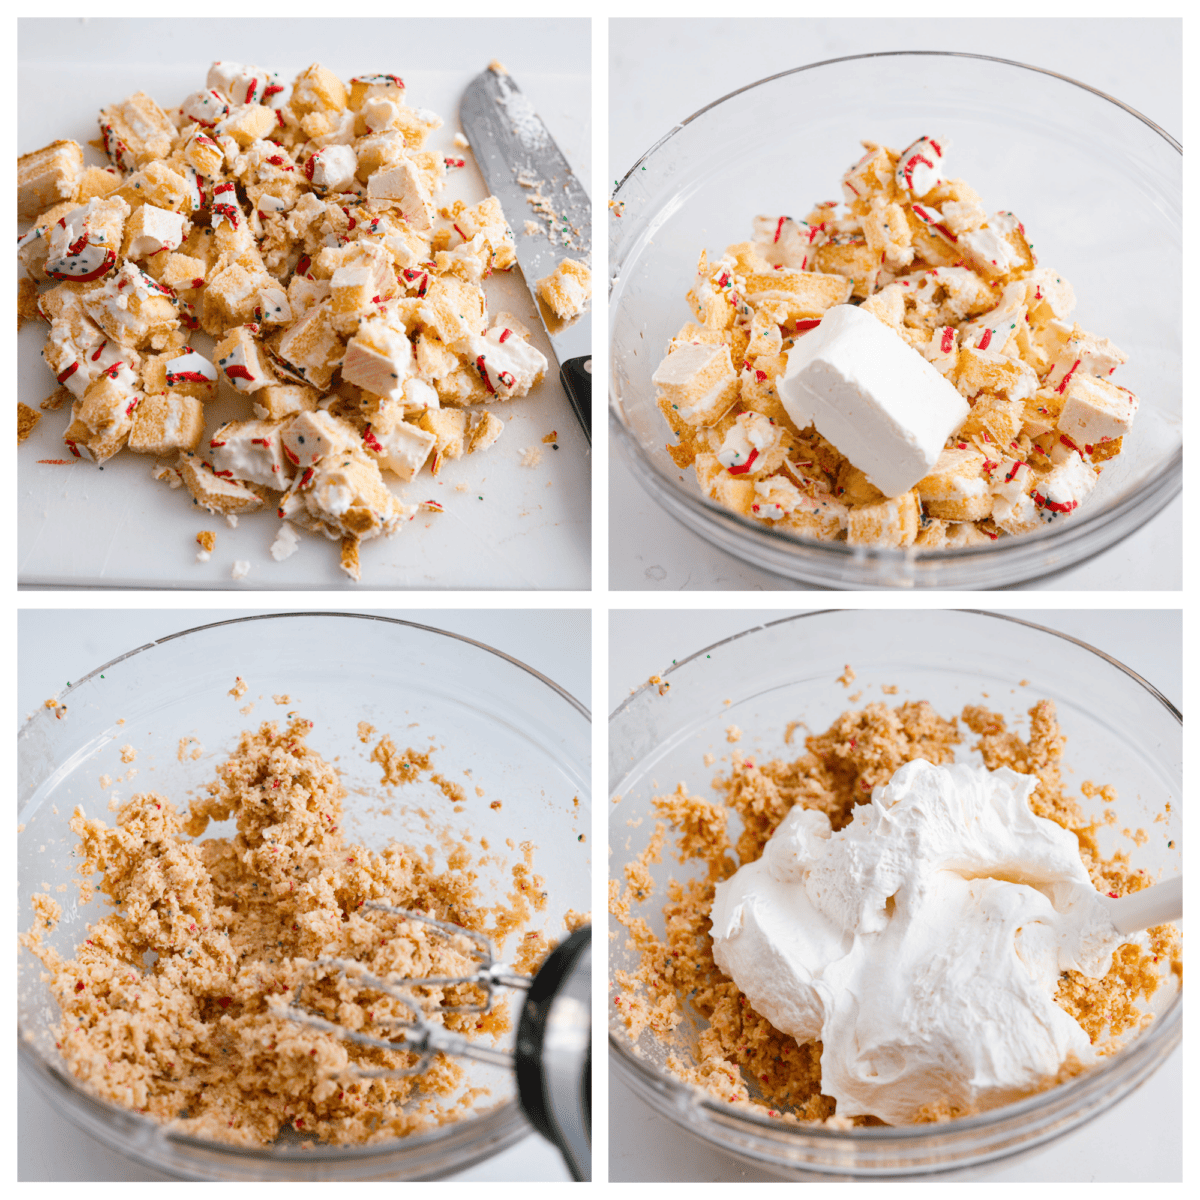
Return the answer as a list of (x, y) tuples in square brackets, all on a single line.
[(1148, 502), (500, 1120), (581, 708), (619, 1045), (825, 62)]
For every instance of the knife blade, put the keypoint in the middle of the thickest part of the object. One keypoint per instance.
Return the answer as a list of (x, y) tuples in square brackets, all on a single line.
[(525, 170)]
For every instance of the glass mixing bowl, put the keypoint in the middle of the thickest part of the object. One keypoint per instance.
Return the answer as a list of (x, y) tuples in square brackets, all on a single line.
[(524, 740), (1119, 731), (1074, 164)]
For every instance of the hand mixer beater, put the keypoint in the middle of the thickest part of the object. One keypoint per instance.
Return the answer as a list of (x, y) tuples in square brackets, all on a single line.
[(552, 1056)]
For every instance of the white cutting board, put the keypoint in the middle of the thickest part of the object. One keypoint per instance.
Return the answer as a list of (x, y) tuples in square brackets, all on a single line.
[(505, 525)]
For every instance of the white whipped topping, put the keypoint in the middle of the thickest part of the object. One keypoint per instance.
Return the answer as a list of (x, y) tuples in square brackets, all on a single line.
[(922, 943)]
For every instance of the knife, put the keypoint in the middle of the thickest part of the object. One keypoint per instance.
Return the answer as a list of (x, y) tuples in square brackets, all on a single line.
[(526, 171)]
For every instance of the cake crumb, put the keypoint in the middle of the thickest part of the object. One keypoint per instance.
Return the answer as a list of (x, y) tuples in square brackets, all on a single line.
[(56, 400), (847, 677), (239, 688), (27, 419), (27, 298)]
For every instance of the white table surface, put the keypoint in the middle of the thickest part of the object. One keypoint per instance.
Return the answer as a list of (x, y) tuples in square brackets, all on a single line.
[(664, 70), (504, 524), (1140, 1139), (60, 645)]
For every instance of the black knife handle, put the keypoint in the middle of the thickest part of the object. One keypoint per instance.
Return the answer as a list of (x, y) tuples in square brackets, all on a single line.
[(576, 375)]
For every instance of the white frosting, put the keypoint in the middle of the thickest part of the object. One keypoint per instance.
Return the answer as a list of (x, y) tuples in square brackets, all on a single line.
[(75, 251), (76, 366), (1045, 286), (311, 435), (1062, 491), (1009, 480), (1083, 354), (873, 396), (242, 368), (991, 330), (774, 498), (190, 367), (332, 168), (922, 943), (273, 307), (379, 359), (854, 181), (205, 108), (749, 436), (722, 280), (193, 179), (787, 243), (919, 170), (508, 364), (942, 349), (400, 447), (1017, 516), (1097, 411), (419, 395), (245, 84), (162, 229), (250, 451), (380, 113), (990, 244), (225, 205), (401, 183)]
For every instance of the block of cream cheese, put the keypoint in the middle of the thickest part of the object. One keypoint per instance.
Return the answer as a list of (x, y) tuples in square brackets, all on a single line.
[(873, 396)]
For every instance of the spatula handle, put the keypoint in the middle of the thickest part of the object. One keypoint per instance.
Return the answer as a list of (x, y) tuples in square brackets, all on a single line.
[(1151, 906)]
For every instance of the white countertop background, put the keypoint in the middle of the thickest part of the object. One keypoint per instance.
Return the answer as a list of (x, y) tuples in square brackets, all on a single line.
[(664, 70), (1138, 1140), (60, 645)]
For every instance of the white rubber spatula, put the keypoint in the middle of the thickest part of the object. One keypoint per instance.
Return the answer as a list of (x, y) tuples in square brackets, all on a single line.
[(1155, 905)]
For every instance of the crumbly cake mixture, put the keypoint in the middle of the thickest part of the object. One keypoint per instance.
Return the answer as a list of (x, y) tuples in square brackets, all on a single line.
[(963, 288), (166, 1005), (296, 225), (740, 1057)]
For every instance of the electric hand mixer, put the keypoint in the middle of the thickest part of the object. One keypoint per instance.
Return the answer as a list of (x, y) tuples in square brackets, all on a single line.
[(552, 1057)]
